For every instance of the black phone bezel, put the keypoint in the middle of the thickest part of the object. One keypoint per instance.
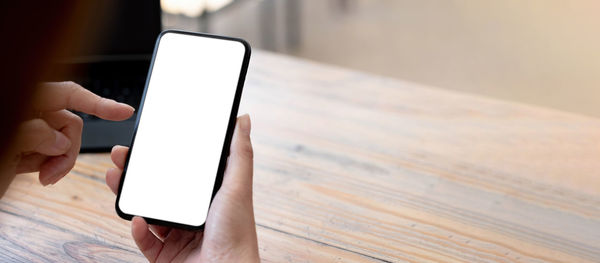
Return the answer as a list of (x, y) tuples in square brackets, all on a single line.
[(228, 135)]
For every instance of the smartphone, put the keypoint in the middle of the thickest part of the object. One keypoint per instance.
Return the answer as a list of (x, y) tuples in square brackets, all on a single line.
[(183, 129)]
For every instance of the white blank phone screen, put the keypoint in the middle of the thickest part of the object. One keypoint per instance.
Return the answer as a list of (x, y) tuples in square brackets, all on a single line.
[(181, 132)]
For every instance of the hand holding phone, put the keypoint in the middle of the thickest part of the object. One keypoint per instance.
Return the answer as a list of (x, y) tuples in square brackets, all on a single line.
[(229, 234), (184, 128)]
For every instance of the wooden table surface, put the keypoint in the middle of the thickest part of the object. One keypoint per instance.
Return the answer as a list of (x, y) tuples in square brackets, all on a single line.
[(351, 167)]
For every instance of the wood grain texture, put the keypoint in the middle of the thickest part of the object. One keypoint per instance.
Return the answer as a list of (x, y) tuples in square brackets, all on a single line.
[(351, 167)]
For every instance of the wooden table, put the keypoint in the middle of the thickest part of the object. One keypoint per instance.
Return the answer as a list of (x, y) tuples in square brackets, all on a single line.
[(352, 167)]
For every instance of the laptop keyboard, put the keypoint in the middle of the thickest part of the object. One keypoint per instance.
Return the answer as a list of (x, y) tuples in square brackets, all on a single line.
[(125, 90), (122, 81)]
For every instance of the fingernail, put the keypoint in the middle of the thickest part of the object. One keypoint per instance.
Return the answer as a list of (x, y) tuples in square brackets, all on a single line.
[(44, 182), (50, 180), (61, 142), (116, 102), (129, 106), (245, 124)]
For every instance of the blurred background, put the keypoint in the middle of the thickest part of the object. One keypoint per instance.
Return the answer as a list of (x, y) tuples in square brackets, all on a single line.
[(542, 52)]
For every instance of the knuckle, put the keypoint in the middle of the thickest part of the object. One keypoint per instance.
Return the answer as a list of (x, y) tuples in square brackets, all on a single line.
[(79, 121), (71, 84), (75, 120)]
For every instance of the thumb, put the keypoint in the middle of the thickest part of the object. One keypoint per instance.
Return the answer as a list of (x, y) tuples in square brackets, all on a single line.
[(238, 174), (230, 228)]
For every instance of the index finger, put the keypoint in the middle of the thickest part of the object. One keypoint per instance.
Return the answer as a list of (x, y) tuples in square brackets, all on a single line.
[(54, 96)]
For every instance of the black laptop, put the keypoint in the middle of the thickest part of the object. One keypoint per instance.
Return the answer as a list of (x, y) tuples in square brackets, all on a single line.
[(115, 66)]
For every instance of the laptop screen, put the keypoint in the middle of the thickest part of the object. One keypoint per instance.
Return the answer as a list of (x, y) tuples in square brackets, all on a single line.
[(117, 31), (110, 56)]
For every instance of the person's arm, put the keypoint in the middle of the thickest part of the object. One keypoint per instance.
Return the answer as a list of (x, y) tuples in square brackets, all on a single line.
[(230, 232), (48, 142)]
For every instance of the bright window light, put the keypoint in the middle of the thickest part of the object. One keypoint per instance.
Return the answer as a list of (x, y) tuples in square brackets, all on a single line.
[(192, 8)]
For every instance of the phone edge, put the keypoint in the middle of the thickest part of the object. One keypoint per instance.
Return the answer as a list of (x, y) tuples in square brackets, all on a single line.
[(228, 135)]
